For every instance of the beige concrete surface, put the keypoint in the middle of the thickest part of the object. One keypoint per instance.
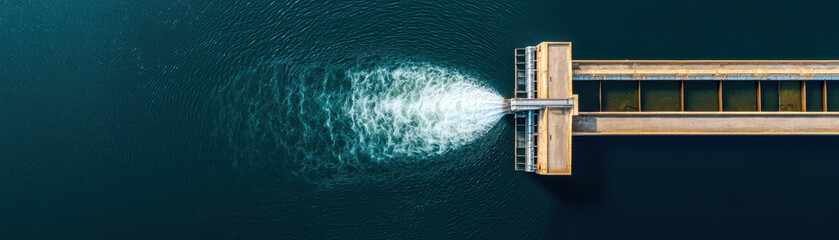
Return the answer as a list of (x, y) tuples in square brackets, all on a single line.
[(554, 133), (557, 142), (706, 123), (703, 67)]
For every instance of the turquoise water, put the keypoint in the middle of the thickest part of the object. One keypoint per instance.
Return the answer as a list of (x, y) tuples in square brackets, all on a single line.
[(375, 119)]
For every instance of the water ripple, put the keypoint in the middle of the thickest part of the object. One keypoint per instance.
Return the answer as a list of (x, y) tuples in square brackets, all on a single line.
[(322, 121)]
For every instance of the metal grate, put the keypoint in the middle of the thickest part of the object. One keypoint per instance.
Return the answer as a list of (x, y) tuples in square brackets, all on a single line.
[(525, 124)]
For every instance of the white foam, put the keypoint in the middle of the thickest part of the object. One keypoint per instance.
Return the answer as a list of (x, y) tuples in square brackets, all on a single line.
[(318, 121), (418, 109)]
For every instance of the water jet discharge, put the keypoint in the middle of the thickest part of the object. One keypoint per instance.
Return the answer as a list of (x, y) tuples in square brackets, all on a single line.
[(557, 98)]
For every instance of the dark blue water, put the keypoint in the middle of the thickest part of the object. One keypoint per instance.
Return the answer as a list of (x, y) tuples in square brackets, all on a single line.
[(376, 119)]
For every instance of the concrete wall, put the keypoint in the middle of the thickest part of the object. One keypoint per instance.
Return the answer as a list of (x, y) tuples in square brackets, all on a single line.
[(706, 123)]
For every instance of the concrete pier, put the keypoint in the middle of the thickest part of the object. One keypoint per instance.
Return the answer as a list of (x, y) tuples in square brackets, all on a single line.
[(660, 97), (595, 123), (554, 82)]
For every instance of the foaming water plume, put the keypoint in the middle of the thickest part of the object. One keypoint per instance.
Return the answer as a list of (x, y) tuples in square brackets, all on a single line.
[(416, 110), (327, 121)]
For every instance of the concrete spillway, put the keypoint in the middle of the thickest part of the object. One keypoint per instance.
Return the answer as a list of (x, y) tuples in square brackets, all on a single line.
[(557, 97)]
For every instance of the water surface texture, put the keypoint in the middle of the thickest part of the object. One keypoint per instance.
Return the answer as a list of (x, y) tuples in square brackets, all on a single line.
[(378, 119)]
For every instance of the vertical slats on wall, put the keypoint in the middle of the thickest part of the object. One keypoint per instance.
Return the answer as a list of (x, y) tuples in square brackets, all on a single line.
[(758, 97), (639, 95), (769, 96), (803, 96), (719, 96), (682, 96), (824, 96)]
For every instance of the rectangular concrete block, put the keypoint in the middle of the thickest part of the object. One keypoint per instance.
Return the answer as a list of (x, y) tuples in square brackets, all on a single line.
[(554, 82)]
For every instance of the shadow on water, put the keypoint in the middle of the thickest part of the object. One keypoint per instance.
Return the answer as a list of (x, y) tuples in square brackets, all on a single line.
[(586, 186), (697, 187)]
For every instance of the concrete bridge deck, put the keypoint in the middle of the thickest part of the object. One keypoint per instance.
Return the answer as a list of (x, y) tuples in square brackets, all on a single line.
[(665, 97), (688, 123)]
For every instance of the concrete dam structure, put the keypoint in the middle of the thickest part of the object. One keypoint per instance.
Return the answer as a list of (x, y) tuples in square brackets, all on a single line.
[(557, 98)]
